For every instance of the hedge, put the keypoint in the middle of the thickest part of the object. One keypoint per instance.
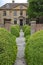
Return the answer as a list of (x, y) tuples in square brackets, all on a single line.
[(24, 27), (27, 37), (34, 49), (15, 31), (18, 27), (27, 31), (8, 48)]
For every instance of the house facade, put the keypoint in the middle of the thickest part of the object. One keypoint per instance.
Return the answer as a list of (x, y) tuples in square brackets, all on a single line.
[(13, 13)]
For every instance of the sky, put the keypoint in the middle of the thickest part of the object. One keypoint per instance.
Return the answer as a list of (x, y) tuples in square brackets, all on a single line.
[(2, 2)]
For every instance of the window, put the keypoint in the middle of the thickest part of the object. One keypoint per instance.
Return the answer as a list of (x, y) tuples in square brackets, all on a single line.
[(4, 13), (15, 21), (7, 5), (15, 13), (21, 12), (27, 21)]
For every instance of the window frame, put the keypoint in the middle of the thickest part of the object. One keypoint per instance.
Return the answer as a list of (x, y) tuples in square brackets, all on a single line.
[(15, 20), (15, 13), (4, 13)]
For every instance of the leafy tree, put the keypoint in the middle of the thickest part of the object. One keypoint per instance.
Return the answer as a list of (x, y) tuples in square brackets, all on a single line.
[(35, 8)]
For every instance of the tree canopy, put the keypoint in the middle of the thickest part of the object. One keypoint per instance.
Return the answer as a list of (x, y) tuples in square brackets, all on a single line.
[(35, 8)]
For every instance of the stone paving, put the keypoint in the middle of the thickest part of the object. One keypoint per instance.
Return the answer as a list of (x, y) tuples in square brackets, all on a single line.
[(21, 46)]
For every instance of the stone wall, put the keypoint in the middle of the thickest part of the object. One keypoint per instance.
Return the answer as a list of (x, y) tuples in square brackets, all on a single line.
[(35, 27)]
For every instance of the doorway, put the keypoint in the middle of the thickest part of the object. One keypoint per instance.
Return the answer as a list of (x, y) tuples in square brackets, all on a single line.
[(21, 22)]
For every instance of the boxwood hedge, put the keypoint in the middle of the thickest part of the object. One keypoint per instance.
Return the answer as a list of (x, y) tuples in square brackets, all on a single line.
[(15, 30), (27, 37), (8, 48), (18, 27), (27, 31), (24, 27), (34, 49)]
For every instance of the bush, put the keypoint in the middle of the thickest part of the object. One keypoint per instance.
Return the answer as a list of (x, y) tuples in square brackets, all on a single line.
[(24, 27), (14, 31), (8, 48), (18, 27), (34, 49), (27, 31), (27, 37)]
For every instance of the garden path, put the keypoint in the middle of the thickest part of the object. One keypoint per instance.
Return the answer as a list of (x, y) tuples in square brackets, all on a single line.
[(21, 47)]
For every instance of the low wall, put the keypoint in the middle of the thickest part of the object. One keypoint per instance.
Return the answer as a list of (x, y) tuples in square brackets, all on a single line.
[(35, 27)]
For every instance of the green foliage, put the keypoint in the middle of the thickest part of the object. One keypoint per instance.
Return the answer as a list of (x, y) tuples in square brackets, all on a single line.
[(27, 31), (8, 48), (15, 30), (34, 49), (35, 8), (27, 37), (18, 27), (24, 27)]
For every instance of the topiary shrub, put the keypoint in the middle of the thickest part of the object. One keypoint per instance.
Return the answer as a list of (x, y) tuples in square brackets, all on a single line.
[(34, 49), (14, 31), (18, 27), (27, 37), (27, 31), (8, 48), (24, 27)]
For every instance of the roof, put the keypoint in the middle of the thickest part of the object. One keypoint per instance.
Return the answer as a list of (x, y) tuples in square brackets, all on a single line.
[(12, 5)]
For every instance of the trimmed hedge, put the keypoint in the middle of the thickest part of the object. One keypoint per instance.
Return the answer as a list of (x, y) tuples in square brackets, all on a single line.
[(18, 27), (8, 48), (15, 30), (27, 37), (34, 49), (27, 31), (24, 27)]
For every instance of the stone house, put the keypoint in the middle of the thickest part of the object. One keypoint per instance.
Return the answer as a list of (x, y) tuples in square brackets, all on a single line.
[(13, 13)]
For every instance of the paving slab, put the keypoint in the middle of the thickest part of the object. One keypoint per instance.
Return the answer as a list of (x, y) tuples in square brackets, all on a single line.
[(21, 47)]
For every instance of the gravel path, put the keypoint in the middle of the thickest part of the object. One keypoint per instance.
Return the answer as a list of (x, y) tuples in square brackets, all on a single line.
[(21, 46)]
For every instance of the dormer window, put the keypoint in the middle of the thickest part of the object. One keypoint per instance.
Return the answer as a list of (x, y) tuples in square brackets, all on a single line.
[(21, 6), (7, 5), (4, 13)]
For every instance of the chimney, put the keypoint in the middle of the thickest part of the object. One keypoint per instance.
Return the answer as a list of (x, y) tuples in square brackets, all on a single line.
[(12, 1)]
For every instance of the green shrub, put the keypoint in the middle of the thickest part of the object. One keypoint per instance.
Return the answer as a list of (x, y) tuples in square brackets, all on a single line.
[(8, 48), (14, 31), (27, 37), (27, 31), (24, 27), (18, 27), (34, 49)]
